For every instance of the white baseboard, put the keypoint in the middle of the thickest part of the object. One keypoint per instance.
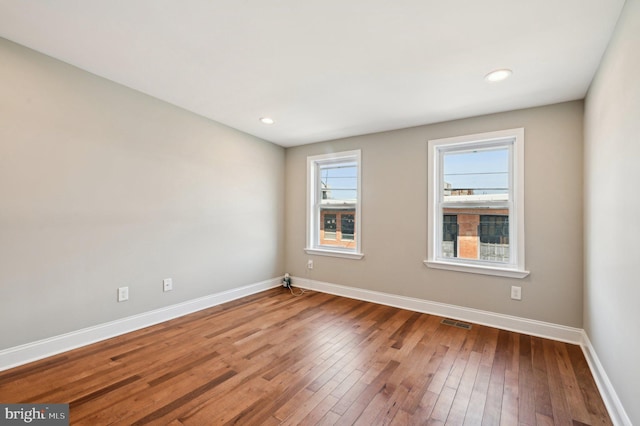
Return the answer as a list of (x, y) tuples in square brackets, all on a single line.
[(491, 319), (18, 355), (609, 396)]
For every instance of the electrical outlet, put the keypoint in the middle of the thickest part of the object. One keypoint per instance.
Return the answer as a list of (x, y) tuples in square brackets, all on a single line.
[(123, 294), (516, 292), (167, 284), (310, 264), (286, 281)]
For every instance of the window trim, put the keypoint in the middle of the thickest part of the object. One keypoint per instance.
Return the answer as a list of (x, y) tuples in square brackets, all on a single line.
[(313, 212), (516, 269)]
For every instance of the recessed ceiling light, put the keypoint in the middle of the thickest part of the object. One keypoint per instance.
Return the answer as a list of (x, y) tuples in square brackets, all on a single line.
[(498, 75), (266, 120)]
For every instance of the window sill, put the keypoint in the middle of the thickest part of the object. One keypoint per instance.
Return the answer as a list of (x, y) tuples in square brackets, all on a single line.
[(335, 253), (477, 269)]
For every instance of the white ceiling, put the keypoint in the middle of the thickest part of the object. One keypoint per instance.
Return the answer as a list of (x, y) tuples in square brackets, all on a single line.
[(326, 69)]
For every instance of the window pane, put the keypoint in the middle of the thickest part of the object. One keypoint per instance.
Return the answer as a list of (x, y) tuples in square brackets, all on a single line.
[(449, 235), (337, 227), (330, 226), (494, 229), (476, 175), (494, 238), (347, 222), (339, 183), (471, 233)]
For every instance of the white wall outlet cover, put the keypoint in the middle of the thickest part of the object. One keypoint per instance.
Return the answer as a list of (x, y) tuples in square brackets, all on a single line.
[(167, 284), (516, 292), (123, 294)]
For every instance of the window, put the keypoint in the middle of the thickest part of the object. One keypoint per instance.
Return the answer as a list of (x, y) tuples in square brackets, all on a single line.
[(476, 203), (333, 208)]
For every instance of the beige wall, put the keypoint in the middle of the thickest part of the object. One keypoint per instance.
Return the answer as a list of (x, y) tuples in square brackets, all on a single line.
[(102, 187), (612, 209), (394, 209)]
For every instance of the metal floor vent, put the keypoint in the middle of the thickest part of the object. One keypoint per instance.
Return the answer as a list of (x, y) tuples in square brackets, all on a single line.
[(455, 323)]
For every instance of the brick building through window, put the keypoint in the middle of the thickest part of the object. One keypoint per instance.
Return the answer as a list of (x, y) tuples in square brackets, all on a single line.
[(337, 227), (481, 234)]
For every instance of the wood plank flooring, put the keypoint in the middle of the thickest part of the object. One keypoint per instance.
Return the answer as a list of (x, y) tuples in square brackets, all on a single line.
[(272, 358)]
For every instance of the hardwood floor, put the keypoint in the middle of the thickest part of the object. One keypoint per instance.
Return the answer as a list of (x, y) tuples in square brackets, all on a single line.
[(272, 358)]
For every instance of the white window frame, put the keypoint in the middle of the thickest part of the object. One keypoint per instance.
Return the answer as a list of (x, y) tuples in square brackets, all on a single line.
[(512, 138), (313, 205)]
